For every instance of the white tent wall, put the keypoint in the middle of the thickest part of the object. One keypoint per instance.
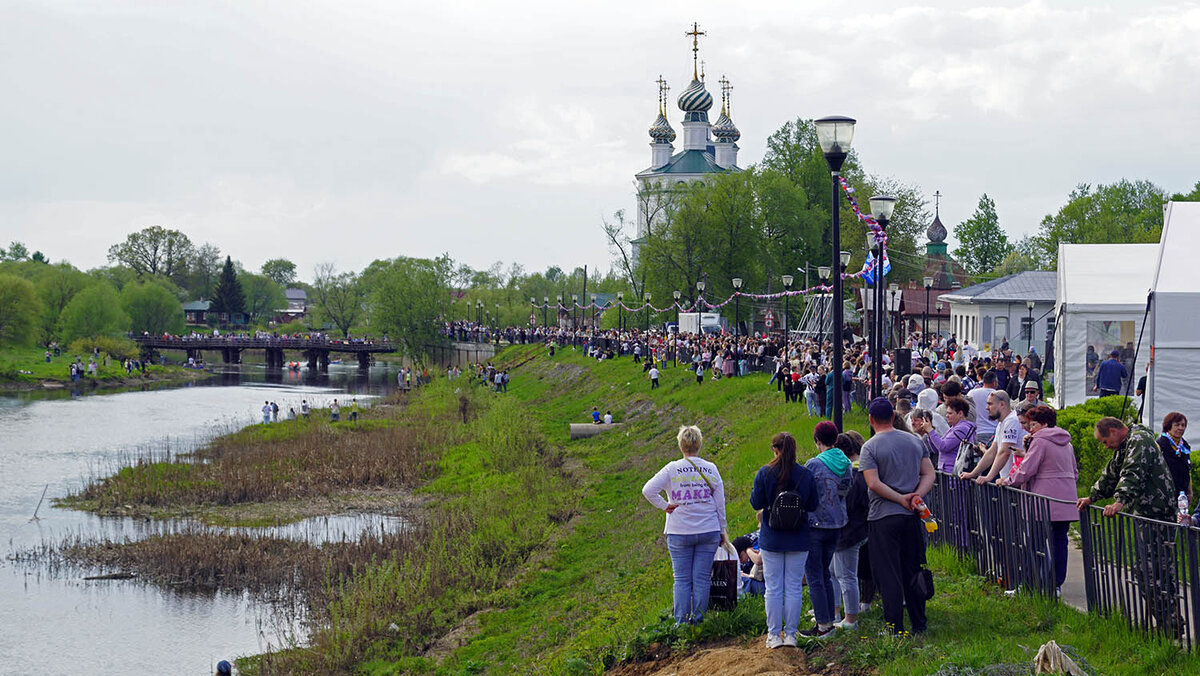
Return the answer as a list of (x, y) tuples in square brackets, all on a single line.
[(1097, 283), (1175, 317)]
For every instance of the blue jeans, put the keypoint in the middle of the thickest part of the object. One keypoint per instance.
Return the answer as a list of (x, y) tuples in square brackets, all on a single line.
[(845, 578), (784, 576), (822, 542), (691, 562)]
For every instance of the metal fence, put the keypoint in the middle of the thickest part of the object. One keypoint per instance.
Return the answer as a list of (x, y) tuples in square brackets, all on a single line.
[(1146, 571)]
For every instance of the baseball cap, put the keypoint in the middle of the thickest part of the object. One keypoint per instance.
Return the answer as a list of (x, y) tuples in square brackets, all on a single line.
[(880, 409), (1115, 353), (224, 667)]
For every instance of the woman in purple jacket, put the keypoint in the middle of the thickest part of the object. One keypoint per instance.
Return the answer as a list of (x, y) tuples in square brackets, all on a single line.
[(1049, 469), (961, 429)]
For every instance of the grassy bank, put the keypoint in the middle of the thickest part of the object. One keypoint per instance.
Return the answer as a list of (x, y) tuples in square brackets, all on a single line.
[(537, 555), (25, 368)]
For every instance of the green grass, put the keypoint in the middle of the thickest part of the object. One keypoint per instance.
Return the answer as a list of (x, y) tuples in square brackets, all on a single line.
[(28, 365)]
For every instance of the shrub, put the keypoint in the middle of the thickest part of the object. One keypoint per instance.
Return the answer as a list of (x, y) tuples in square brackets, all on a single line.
[(117, 348), (1080, 421)]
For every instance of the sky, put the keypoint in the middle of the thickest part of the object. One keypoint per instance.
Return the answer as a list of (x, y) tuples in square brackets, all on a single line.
[(350, 131)]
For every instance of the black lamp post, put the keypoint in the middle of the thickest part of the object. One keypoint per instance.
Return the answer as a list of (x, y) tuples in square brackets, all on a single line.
[(478, 311), (925, 320), (558, 311), (823, 271), (881, 207), (893, 306), (646, 297), (939, 307), (835, 134), (533, 309), (737, 304), (699, 293), (787, 286), (593, 312), (620, 311), (545, 308), (1029, 304), (675, 339)]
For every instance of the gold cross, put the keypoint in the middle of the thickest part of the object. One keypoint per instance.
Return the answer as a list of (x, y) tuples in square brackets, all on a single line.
[(695, 33)]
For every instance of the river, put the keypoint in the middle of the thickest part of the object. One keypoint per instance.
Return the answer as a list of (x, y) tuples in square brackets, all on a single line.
[(58, 623)]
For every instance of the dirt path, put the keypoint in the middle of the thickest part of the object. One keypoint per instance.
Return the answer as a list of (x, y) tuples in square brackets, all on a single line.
[(748, 657)]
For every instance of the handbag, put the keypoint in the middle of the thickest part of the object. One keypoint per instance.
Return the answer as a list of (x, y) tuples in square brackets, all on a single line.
[(968, 457), (723, 584), (922, 583)]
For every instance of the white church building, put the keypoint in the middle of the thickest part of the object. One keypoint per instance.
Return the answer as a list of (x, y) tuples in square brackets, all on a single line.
[(708, 148)]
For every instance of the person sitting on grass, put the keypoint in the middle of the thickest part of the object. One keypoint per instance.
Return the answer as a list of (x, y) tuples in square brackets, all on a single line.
[(750, 572)]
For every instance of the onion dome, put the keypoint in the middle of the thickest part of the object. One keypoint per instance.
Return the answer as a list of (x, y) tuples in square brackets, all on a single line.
[(936, 232), (695, 99), (661, 130), (723, 127)]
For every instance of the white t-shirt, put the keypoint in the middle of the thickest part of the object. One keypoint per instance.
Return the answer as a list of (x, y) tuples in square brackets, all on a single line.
[(979, 397), (653, 373), (607, 418), (700, 510), (1010, 432)]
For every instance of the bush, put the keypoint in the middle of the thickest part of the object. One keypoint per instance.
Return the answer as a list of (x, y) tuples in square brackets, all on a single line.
[(1080, 421), (119, 349)]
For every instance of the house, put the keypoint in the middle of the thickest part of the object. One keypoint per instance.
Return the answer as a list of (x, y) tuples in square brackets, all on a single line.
[(297, 305), (1018, 307), (199, 313)]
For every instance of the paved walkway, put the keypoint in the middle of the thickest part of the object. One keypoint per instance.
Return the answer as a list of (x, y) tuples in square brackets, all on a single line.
[(1074, 593)]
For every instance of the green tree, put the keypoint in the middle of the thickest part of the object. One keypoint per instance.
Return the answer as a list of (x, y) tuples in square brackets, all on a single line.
[(408, 297), (281, 271), (982, 243), (264, 297), (152, 309), (1193, 196), (154, 250), (19, 310), (17, 251), (228, 297), (339, 297), (39, 257), (1126, 211), (203, 270), (94, 312), (56, 286)]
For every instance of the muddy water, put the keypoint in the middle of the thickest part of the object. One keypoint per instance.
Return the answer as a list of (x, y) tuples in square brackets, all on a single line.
[(62, 624)]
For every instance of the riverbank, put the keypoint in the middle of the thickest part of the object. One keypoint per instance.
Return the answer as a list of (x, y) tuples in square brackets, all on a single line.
[(532, 554), (26, 369)]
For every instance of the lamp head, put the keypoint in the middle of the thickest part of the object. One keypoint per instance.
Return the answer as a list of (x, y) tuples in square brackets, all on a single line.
[(928, 282), (700, 286), (893, 287), (835, 133), (620, 295), (939, 306), (823, 272), (882, 207), (787, 281), (845, 259), (737, 282), (676, 293), (646, 296), (1029, 304)]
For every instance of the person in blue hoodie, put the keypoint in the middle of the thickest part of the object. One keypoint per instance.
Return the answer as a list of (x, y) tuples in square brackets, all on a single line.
[(831, 471), (783, 552)]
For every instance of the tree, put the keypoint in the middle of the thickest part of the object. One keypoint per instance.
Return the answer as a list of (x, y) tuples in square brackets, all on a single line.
[(983, 244), (1193, 196), (264, 297), (204, 268), (152, 309), (228, 298), (339, 296), (281, 271), (408, 297), (39, 257), (17, 251), (94, 312), (56, 286), (19, 310), (1126, 211), (154, 250)]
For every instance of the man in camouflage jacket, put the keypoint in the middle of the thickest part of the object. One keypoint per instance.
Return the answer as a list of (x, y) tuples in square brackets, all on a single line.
[(1140, 483), (1136, 477)]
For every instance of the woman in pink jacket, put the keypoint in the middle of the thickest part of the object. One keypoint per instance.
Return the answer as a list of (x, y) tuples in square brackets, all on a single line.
[(1049, 469)]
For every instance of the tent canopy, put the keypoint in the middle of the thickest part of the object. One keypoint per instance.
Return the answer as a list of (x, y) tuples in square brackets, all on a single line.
[(1175, 321)]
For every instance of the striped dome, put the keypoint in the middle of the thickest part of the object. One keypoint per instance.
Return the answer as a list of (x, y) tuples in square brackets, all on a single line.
[(723, 128), (661, 130), (695, 99)]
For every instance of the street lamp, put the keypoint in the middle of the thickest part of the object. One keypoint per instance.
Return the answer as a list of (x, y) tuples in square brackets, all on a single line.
[(893, 306), (646, 297), (699, 293), (939, 307), (737, 304), (593, 312), (928, 281), (558, 311), (478, 311), (1029, 346), (675, 340), (620, 311), (823, 272), (574, 306), (787, 286), (882, 207), (835, 134), (545, 307), (533, 309)]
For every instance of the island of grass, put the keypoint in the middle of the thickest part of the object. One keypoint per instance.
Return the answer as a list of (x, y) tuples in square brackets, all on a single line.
[(531, 554), (26, 368)]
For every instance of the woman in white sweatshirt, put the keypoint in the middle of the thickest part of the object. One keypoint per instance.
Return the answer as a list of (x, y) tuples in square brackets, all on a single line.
[(695, 507)]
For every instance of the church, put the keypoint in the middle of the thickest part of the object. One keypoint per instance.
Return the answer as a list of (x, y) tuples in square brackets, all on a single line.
[(708, 148)]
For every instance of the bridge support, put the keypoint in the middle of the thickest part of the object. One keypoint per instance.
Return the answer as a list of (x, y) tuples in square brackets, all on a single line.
[(364, 360), (317, 359), (231, 355), (196, 355), (274, 357)]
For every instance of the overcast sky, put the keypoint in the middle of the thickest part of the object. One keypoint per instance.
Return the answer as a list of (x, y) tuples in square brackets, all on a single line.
[(349, 131)]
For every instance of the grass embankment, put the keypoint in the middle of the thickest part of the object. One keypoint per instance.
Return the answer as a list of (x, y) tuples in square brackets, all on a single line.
[(25, 368), (543, 557)]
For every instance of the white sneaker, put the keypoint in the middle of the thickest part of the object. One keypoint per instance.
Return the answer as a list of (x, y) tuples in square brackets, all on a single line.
[(774, 641), (843, 624), (789, 640)]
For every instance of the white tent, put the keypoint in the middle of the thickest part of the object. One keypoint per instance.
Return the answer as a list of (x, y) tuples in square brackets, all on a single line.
[(1175, 317), (1102, 291)]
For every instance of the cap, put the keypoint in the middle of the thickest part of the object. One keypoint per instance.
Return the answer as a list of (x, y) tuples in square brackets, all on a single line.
[(224, 667), (1115, 353), (880, 409)]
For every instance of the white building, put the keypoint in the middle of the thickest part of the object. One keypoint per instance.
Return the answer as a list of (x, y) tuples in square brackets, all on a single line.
[(986, 314), (708, 149)]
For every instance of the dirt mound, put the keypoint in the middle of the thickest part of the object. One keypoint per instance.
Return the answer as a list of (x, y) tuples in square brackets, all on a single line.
[(748, 657)]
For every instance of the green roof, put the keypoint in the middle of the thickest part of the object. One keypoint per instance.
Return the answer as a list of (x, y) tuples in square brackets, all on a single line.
[(690, 162)]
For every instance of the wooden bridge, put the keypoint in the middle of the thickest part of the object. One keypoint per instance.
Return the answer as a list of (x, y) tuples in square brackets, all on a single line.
[(315, 351)]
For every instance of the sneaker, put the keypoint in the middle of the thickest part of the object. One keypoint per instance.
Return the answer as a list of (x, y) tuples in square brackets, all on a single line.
[(789, 640), (817, 632), (844, 625), (1010, 593), (774, 641)]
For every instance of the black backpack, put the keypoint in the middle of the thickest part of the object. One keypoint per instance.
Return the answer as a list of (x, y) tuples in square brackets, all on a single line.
[(787, 512)]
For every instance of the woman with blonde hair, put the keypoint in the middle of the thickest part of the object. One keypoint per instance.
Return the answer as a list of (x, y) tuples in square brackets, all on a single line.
[(695, 522)]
